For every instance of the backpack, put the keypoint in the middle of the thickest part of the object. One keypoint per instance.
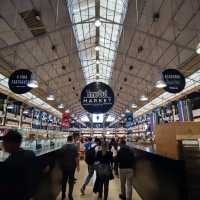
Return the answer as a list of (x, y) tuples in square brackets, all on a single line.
[(90, 156)]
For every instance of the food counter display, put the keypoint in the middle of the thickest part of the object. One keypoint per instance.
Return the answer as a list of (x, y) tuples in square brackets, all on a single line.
[(46, 145)]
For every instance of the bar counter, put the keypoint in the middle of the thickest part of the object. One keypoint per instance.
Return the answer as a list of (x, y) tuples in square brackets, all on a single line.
[(157, 177)]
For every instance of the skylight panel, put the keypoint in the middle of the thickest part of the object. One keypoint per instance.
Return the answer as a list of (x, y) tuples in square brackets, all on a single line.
[(111, 11)]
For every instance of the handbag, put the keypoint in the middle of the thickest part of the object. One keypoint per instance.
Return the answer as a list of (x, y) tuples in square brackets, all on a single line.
[(104, 171)]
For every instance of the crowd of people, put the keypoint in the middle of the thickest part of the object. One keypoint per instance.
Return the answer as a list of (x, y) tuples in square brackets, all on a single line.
[(105, 159)]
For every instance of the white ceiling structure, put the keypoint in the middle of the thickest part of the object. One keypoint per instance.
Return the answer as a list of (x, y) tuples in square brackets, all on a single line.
[(137, 39)]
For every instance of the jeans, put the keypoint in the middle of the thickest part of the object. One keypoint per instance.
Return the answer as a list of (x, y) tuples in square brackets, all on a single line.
[(126, 179), (89, 176), (68, 176)]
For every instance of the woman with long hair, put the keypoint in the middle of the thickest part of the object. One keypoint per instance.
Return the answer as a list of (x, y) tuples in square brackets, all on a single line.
[(103, 171)]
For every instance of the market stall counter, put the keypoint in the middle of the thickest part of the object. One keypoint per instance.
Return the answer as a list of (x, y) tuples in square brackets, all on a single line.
[(156, 176)]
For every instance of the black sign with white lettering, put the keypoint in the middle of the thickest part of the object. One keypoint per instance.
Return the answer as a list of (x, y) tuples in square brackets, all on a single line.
[(174, 79), (97, 97), (18, 81)]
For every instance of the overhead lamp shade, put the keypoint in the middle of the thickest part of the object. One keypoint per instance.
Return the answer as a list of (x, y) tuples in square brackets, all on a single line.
[(133, 106), (143, 98), (10, 106), (51, 97), (97, 23), (97, 48), (60, 106), (33, 84), (160, 84), (198, 48), (67, 111), (25, 112)]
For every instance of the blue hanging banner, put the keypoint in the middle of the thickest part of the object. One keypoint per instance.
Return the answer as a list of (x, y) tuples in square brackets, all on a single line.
[(129, 119)]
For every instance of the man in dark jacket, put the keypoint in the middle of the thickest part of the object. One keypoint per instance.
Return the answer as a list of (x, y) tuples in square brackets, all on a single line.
[(69, 161), (19, 172), (125, 158)]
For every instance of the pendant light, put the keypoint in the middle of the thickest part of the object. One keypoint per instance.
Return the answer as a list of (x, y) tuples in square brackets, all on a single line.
[(160, 84), (143, 98), (198, 48), (133, 105), (50, 97), (61, 106), (97, 23), (97, 48), (33, 83)]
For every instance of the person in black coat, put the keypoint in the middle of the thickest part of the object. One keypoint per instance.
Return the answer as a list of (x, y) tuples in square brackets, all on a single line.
[(104, 172)]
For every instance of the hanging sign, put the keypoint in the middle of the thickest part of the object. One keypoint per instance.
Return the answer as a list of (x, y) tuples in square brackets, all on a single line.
[(174, 80), (129, 119), (97, 97), (18, 81), (65, 120)]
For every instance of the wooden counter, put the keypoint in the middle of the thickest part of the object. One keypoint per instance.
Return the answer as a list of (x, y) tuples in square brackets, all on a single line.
[(158, 177)]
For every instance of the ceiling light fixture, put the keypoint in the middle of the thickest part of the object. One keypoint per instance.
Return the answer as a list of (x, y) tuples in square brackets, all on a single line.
[(133, 105), (10, 106), (97, 62), (33, 84), (61, 106), (143, 98), (97, 23), (97, 48), (198, 48), (51, 97), (161, 84), (127, 111), (25, 112)]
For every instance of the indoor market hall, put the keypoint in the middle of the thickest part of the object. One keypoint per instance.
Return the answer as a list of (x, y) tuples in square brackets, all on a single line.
[(99, 100)]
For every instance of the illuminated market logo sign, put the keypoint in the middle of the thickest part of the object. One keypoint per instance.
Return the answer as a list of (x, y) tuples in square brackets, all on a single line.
[(18, 81), (97, 97), (174, 80)]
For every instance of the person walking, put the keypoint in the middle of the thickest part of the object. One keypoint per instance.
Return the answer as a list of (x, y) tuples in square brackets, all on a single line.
[(104, 171), (125, 157), (19, 172), (69, 162), (90, 156), (114, 150)]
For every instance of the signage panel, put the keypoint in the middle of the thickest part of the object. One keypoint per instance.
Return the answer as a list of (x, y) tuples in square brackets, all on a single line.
[(18, 81), (97, 97), (174, 80)]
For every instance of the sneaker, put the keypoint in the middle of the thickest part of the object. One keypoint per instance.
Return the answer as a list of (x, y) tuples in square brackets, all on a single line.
[(121, 196), (82, 191)]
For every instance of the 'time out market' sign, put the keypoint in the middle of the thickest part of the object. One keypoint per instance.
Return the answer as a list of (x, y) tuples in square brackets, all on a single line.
[(97, 97)]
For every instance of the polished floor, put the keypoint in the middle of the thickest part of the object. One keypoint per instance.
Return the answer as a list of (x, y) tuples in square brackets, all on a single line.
[(114, 187)]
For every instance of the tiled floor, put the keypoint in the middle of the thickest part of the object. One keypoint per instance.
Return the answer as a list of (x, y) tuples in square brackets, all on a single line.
[(114, 187)]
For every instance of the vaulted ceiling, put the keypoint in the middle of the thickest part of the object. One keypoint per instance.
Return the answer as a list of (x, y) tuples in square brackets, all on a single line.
[(42, 35)]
